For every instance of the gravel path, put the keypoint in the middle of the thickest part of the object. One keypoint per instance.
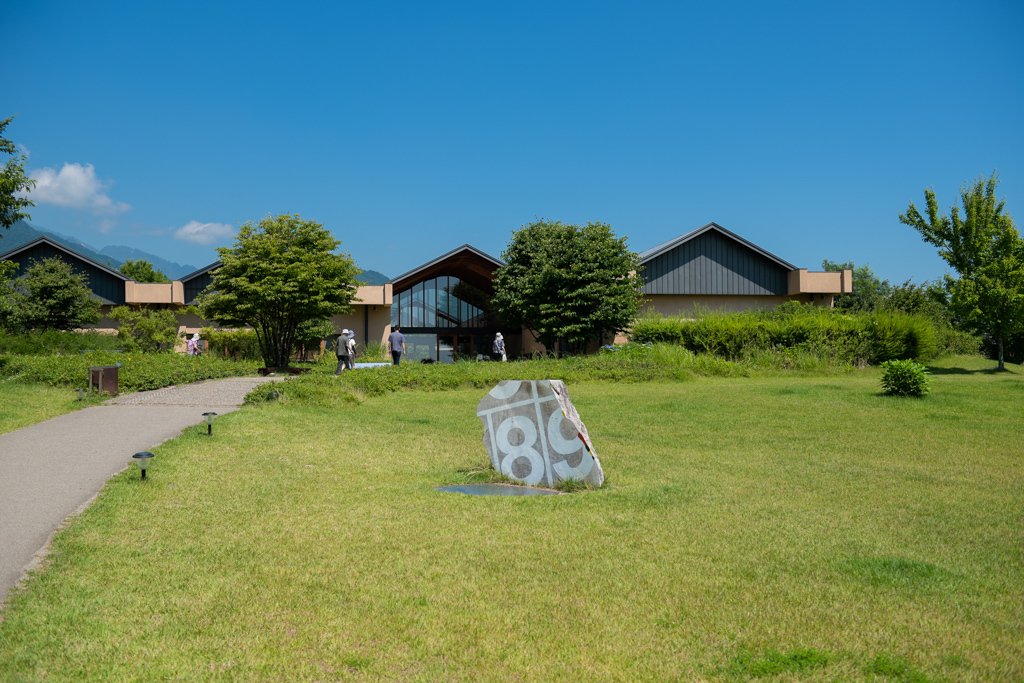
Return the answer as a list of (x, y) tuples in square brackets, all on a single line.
[(214, 392)]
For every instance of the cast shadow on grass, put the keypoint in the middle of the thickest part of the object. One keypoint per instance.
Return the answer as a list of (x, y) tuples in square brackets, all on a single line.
[(485, 474), (981, 371), (892, 571)]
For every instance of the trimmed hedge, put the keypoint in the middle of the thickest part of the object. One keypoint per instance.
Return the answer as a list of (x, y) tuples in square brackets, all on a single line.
[(850, 338), (140, 371)]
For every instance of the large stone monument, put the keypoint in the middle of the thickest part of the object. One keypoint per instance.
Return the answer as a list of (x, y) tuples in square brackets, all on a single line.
[(534, 434)]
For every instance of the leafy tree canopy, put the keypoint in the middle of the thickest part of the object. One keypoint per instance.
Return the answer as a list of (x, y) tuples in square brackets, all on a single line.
[(985, 248), (145, 328), (13, 182), (568, 284), (280, 273), (869, 291), (52, 296), (142, 270)]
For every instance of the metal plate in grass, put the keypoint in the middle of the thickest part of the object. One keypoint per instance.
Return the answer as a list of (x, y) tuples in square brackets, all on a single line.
[(496, 490)]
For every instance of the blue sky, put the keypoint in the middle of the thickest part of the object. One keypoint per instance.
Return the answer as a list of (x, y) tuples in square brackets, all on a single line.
[(410, 128)]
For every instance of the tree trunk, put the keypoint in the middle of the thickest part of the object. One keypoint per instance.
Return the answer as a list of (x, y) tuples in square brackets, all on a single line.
[(1000, 340)]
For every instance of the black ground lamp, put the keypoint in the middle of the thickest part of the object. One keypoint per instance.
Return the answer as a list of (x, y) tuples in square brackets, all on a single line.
[(81, 393), (209, 422), (143, 460)]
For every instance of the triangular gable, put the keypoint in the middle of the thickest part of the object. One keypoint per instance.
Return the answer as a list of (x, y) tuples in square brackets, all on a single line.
[(107, 284), (711, 261), (654, 252), (466, 260)]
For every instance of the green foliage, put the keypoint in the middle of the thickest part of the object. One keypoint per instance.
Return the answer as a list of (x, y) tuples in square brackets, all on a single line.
[(145, 328), (8, 293), (280, 273), (309, 334), (52, 296), (894, 669), (905, 378), (373, 352), (140, 371), (799, 332), (13, 182), (237, 344), (310, 390), (869, 291), (569, 284), (774, 663), (58, 342), (987, 251), (142, 270)]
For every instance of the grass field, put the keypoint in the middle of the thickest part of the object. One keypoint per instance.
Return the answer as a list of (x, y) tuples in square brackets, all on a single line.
[(22, 405), (769, 528)]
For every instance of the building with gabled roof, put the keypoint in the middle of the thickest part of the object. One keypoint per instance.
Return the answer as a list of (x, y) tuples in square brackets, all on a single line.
[(443, 306)]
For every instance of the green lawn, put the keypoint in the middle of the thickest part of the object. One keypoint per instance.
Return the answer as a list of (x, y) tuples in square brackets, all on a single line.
[(22, 405), (801, 528)]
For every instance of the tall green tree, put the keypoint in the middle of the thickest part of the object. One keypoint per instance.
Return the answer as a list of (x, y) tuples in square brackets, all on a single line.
[(985, 248), (569, 284), (280, 273), (52, 296), (869, 291), (142, 270), (13, 182)]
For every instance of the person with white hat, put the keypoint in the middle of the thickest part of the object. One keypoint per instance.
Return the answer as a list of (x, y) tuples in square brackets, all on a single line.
[(341, 350), (498, 350)]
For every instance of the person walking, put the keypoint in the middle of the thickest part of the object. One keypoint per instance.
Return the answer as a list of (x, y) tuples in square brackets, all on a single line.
[(341, 350), (498, 350), (396, 345), (351, 346), (193, 345)]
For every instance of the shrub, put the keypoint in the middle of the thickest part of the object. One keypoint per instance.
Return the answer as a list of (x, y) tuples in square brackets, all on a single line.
[(145, 328), (140, 371), (905, 378), (237, 344), (58, 341), (794, 333)]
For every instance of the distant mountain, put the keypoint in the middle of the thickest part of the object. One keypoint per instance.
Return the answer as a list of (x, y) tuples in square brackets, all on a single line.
[(112, 257), (372, 277), (22, 233), (169, 268)]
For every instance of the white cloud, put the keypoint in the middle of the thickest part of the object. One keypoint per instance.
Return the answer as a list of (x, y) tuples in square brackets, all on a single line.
[(106, 225), (74, 186), (24, 150), (204, 233)]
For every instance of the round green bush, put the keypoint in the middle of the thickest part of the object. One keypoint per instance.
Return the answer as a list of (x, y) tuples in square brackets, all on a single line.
[(905, 378)]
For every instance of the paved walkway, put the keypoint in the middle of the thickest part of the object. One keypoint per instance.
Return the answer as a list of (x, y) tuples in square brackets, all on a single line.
[(52, 469)]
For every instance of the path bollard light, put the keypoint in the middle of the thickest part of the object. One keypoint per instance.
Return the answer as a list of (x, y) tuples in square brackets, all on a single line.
[(81, 393), (273, 395), (209, 422), (143, 460)]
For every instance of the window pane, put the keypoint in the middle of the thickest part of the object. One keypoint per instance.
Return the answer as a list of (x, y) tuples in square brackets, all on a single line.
[(430, 303), (442, 302), (417, 305), (406, 301)]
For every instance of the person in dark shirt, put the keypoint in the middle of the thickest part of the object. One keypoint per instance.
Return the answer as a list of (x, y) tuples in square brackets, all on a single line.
[(396, 345)]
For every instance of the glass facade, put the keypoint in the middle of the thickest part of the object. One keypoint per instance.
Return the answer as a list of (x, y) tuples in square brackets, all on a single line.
[(442, 302)]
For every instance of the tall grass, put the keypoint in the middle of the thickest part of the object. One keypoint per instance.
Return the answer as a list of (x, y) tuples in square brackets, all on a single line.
[(804, 330)]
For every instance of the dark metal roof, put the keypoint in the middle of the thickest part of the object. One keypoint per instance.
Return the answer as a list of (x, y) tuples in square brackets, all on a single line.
[(202, 271), (463, 251), (67, 250), (654, 252)]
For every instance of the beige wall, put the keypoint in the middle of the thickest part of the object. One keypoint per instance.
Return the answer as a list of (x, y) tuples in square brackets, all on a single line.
[(154, 293), (379, 327), (689, 306), (802, 281)]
